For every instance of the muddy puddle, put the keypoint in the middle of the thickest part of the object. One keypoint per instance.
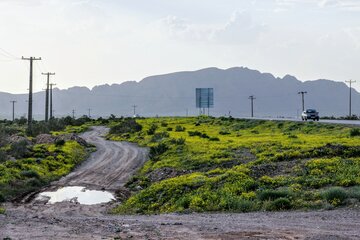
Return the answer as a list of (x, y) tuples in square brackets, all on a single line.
[(75, 194)]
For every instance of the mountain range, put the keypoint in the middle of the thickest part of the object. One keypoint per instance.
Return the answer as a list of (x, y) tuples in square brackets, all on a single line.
[(173, 94)]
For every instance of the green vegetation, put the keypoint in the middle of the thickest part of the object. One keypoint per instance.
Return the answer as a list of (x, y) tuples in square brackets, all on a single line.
[(26, 166), (225, 164)]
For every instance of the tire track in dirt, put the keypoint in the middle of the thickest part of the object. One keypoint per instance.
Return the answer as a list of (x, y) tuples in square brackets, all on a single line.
[(110, 167)]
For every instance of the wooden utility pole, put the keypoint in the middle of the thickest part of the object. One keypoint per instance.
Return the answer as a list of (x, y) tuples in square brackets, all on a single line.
[(350, 82), (302, 99), (47, 95), (134, 106), (252, 105), (73, 113), (51, 100), (31, 59), (89, 111), (13, 110)]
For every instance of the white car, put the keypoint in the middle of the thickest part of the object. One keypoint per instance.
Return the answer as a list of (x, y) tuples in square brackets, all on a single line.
[(310, 114)]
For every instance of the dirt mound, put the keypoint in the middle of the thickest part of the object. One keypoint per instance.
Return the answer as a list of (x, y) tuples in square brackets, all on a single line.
[(165, 173)]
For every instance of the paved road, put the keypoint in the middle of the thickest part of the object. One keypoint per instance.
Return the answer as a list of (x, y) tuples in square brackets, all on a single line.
[(110, 167), (344, 122)]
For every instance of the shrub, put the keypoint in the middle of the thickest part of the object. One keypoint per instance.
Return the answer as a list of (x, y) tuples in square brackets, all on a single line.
[(128, 125), (157, 137), (279, 204), (354, 192), (156, 151), (59, 142), (169, 129), (354, 132), (2, 198), (178, 141), (179, 128), (335, 195), (164, 124), (2, 211), (19, 149), (273, 194), (224, 132), (215, 139), (30, 174), (152, 129)]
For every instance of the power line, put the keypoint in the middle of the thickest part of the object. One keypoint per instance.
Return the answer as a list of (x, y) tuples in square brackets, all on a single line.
[(31, 59), (48, 74), (302, 99), (350, 82)]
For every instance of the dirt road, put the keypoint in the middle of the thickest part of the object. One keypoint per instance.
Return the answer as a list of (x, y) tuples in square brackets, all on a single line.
[(112, 165)]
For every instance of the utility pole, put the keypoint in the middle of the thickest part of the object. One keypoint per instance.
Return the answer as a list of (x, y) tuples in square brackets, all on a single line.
[(51, 100), (252, 104), (48, 74), (187, 112), (13, 110), (31, 59), (302, 99), (134, 106), (89, 110), (73, 113), (350, 82)]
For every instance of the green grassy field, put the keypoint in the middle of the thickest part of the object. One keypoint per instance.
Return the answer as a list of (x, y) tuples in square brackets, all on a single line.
[(220, 164)]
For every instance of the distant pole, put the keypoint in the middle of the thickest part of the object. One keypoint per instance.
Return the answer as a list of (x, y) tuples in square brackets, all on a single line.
[(89, 111), (350, 82), (31, 59), (302, 99), (73, 113), (51, 100), (252, 104), (13, 110), (134, 107), (47, 95), (187, 112)]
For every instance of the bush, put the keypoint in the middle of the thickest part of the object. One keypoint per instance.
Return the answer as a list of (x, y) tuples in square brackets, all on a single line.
[(224, 132), (164, 124), (279, 204), (197, 133), (152, 129), (354, 132), (179, 129), (273, 194), (2, 211), (169, 129), (179, 141), (128, 125), (335, 195), (156, 151), (2, 198), (215, 139), (157, 137), (59, 142), (30, 174), (354, 192), (19, 149)]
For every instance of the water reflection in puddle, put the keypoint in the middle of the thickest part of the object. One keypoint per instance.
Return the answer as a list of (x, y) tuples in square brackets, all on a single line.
[(76, 194)]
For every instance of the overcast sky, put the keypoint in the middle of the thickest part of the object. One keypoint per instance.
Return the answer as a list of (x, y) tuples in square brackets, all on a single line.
[(92, 42)]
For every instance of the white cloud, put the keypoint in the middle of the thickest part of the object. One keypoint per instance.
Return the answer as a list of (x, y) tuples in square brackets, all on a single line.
[(241, 29)]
